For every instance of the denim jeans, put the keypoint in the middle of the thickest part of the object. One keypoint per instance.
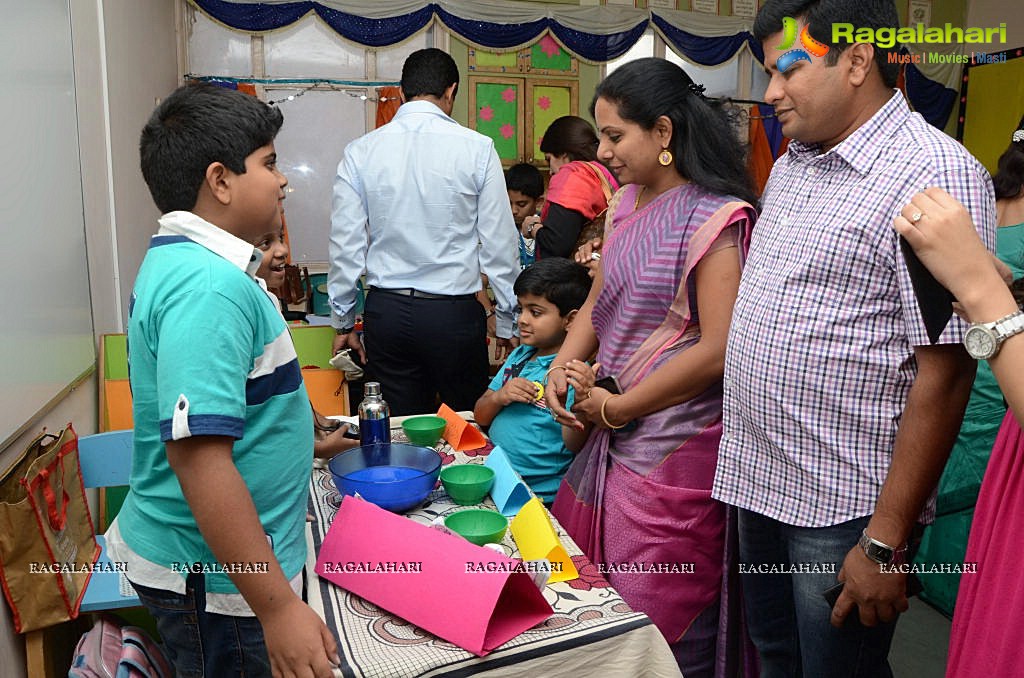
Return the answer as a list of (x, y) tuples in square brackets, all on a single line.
[(201, 644), (787, 616)]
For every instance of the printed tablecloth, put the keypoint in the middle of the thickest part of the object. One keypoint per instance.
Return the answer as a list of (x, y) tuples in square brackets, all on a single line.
[(592, 628)]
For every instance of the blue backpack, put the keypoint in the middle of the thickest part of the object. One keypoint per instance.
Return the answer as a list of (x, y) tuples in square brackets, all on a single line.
[(110, 650)]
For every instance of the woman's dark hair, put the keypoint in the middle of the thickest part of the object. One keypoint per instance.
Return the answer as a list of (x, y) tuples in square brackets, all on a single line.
[(1009, 176), (703, 143), (570, 135)]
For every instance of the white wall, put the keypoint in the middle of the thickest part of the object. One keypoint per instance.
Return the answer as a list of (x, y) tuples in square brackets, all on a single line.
[(125, 59), (991, 13)]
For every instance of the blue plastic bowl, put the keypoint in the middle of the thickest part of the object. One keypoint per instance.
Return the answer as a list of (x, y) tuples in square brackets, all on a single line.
[(394, 476)]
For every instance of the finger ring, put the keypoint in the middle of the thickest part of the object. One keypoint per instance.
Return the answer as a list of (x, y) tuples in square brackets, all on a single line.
[(915, 217), (594, 256)]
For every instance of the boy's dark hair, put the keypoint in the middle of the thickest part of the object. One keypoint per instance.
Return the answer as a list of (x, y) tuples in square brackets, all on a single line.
[(526, 179), (197, 125), (563, 282), (428, 72), (1009, 177), (819, 15), (570, 135), (704, 145)]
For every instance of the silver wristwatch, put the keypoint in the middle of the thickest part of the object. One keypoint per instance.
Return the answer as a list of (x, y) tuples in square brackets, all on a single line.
[(983, 339), (881, 553)]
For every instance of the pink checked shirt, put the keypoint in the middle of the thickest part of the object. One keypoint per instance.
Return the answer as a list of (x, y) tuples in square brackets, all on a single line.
[(821, 350)]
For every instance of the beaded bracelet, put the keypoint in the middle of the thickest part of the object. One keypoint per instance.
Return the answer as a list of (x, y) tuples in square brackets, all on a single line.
[(604, 417)]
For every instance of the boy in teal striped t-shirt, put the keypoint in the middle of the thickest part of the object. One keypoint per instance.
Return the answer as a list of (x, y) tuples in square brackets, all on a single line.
[(212, 530)]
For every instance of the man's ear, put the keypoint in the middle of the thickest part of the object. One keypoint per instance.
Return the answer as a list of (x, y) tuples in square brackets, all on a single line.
[(860, 58), (218, 181)]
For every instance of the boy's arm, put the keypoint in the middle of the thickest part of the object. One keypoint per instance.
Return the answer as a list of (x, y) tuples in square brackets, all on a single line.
[(517, 390), (297, 640)]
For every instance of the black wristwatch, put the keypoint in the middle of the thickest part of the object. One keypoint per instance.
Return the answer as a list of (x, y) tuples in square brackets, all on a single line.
[(882, 553)]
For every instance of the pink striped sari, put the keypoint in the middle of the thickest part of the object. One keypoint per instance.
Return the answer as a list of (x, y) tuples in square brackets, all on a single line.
[(645, 496)]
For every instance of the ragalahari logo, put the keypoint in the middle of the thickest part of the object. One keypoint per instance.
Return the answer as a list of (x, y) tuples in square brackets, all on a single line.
[(808, 45)]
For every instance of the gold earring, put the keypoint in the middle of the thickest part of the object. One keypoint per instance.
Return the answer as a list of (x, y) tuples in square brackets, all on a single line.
[(665, 157)]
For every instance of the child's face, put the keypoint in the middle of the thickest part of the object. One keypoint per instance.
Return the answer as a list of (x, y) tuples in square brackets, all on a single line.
[(257, 194), (275, 255), (541, 325), (522, 206)]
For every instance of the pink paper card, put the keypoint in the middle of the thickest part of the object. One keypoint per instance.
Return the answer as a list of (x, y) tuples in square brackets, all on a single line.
[(459, 433), (466, 594)]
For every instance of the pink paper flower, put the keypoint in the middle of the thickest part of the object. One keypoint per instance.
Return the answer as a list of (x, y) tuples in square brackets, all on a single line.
[(507, 131), (487, 113), (544, 103), (509, 95), (549, 46)]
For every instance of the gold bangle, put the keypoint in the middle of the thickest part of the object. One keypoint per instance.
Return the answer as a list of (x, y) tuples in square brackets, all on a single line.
[(604, 417), (552, 369)]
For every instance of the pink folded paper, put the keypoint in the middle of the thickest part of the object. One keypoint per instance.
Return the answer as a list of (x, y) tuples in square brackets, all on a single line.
[(435, 580), (459, 433)]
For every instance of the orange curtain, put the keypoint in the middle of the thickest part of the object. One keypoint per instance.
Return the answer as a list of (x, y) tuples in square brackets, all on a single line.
[(388, 101), (247, 87), (760, 160)]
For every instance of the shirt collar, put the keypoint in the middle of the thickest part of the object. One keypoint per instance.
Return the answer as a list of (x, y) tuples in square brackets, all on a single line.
[(422, 106), (863, 146), (217, 240)]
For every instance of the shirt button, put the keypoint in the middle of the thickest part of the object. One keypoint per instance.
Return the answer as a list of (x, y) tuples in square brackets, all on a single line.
[(811, 171)]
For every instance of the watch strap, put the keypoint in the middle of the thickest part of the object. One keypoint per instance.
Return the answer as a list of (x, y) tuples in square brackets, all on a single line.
[(880, 552)]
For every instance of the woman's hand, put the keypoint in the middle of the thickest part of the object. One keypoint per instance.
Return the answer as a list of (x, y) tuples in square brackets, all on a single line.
[(942, 234), (556, 388)]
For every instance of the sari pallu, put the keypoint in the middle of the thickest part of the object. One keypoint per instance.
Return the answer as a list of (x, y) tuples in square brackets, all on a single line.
[(643, 498)]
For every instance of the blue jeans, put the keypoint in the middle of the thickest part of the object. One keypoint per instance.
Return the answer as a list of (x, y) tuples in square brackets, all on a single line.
[(787, 616), (201, 644)]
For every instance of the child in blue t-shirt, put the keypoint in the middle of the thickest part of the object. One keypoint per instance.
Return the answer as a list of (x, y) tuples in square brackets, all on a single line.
[(212, 531), (550, 293), (525, 187)]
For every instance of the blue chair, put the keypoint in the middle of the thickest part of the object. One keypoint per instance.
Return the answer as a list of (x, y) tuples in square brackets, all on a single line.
[(106, 460)]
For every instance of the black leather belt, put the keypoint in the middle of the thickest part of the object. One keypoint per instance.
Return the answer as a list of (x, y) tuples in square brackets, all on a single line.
[(417, 294)]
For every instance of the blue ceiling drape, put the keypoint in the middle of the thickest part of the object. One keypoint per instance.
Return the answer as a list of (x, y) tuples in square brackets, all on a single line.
[(704, 39)]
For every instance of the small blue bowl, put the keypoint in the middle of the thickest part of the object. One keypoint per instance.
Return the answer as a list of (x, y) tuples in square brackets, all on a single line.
[(394, 476)]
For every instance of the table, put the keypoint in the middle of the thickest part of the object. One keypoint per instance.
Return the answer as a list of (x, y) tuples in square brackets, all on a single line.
[(592, 630)]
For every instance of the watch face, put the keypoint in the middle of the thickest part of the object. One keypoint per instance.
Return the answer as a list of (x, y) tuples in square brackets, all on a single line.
[(980, 342)]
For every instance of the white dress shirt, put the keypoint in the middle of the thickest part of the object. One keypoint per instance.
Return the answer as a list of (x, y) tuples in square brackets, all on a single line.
[(421, 203)]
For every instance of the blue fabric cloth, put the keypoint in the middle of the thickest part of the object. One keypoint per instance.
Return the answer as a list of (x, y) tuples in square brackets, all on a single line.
[(706, 51), (527, 432), (929, 98), (209, 354), (375, 32), (421, 203)]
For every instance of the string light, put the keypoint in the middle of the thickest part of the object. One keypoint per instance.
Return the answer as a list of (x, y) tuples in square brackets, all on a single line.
[(304, 86)]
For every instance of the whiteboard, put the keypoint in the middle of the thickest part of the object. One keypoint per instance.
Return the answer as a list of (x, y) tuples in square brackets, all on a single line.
[(46, 340), (317, 127)]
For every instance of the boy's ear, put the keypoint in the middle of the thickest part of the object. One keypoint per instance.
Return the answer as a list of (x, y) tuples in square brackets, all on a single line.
[(218, 180), (569, 317)]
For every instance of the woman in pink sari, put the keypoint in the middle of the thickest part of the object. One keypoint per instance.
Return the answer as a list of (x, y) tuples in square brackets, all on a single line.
[(638, 496)]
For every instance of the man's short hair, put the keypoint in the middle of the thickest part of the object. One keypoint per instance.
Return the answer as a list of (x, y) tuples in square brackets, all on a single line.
[(428, 72), (562, 282), (526, 179), (819, 15), (197, 125)]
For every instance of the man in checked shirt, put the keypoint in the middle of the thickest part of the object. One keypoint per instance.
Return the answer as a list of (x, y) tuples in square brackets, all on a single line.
[(839, 411)]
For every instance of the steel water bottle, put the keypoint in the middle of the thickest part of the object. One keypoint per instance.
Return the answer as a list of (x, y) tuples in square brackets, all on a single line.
[(374, 416)]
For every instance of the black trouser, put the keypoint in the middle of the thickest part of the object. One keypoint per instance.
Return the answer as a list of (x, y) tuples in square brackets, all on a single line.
[(421, 348)]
